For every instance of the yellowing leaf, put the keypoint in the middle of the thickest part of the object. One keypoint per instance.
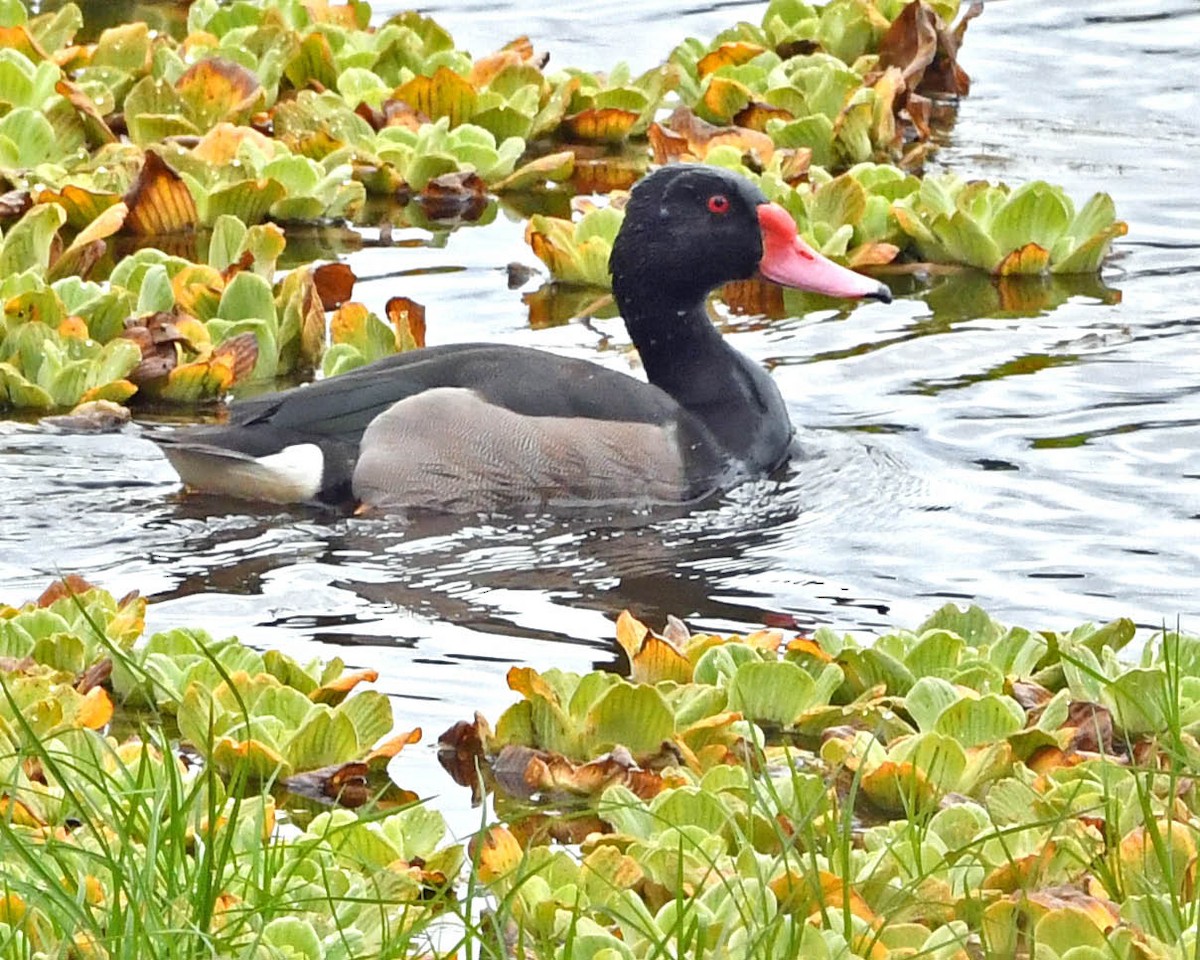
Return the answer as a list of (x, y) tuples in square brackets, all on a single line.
[(216, 89), (601, 124), (159, 201), (727, 55), (445, 94)]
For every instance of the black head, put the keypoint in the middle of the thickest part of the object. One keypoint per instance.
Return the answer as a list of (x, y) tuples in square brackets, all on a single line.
[(688, 229)]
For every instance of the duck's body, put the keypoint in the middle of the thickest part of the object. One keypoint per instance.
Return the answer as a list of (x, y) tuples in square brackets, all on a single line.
[(481, 427)]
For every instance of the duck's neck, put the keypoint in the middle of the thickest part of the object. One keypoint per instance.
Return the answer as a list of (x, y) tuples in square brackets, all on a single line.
[(676, 344), (685, 355)]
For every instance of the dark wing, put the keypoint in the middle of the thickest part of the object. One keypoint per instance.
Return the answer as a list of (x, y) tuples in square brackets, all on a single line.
[(521, 379)]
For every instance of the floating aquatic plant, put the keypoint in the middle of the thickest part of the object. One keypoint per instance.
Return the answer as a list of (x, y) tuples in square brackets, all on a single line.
[(1031, 229)]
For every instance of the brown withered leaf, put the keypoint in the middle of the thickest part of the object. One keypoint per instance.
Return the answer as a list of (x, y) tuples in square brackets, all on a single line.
[(408, 319), (651, 658), (676, 631), (445, 94), (459, 195), (496, 851), (95, 676), (461, 751), (944, 74), (701, 136), (159, 201), (911, 43), (371, 115), (800, 896), (755, 115), (524, 773), (17, 665), (72, 585), (1022, 874), (240, 353), (795, 165), (1031, 696), (926, 50), (91, 417), (334, 283), (221, 144), (78, 260), (920, 112), (872, 254), (754, 297), (400, 113), (348, 785), (1028, 260), (543, 828), (14, 203), (665, 144), (1093, 726)]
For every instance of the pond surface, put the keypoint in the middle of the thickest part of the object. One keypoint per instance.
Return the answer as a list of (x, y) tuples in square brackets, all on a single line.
[(1036, 451)]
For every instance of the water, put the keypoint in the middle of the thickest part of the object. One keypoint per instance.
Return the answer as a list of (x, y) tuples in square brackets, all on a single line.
[(1044, 465)]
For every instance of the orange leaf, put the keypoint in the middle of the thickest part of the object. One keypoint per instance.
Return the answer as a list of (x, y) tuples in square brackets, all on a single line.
[(219, 89), (96, 710), (74, 327), (1029, 259), (335, 691), (83, 206), (221, 144), (335, 284), (392, 746), (498, 855), (159, 201), (724, 97), (72, 585), (601, 124), (872, 254), (408, 319), (727, 55), (445, 94)]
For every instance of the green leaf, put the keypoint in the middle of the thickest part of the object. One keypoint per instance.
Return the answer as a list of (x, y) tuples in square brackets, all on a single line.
[(928, 699), (1035, 212), (635, 717), (225, 244), (27, 245), (247, 296), (33, 136), (974, 723), (156, 294), (771, 692)]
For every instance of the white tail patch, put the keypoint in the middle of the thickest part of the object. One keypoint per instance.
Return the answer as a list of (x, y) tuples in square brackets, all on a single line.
[(293, 475)]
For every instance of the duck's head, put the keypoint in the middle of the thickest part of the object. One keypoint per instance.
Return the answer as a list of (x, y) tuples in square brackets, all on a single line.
[(690, 228)]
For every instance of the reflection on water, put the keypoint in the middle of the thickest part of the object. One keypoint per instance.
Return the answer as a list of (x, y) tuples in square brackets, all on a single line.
[(1031, 445)]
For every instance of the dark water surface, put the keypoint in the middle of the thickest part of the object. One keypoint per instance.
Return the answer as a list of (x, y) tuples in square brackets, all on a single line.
[(1046, 465)]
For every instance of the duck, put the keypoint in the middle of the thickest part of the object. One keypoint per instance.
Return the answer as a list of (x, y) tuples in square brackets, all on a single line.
[(484, 427)]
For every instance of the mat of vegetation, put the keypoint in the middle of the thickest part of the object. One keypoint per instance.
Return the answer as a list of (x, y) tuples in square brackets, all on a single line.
[(962, 790), (199, 148)]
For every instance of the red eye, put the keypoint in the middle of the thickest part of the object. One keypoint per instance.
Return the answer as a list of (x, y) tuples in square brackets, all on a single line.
[(718, 203)]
